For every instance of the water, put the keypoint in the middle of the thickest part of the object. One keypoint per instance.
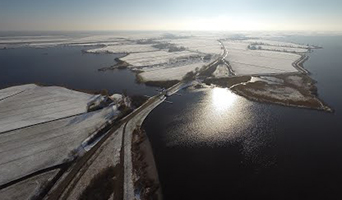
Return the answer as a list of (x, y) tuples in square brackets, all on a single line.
[(212, 144), (66, 66)]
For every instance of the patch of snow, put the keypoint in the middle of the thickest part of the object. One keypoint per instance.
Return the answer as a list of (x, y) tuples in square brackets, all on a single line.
[(30, 149), (198, 44), (281, 93), (246, 61), (39, 104), (11, 91), (28, 188), (276, 43), (170, 73), (266, 79), (127, 48), (268, 61), (283, 49), (221, 71), (157, 57), (107, 156), (116, 98), (33, 39)]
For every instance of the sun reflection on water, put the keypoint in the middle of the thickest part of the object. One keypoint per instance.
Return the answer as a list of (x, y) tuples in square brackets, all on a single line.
[(220, 116), (222, 99)]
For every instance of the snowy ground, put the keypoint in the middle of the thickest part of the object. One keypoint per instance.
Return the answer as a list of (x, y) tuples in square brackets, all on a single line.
[(30, 149), (55, 40), (32, 104), (163, 65), (277, 43), (11, 91), (245, 61), (170, 73), (28, 188), (221, 71), (126, 48), (26, 144), (148, 59), (202, 44), (108, 156), (283, 49)]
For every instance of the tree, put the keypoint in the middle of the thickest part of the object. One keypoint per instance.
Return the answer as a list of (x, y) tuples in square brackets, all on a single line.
[(189, 76)]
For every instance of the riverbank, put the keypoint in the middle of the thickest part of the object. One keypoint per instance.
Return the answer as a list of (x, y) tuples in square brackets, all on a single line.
[(293, 89), (118, 65), (146, 175)]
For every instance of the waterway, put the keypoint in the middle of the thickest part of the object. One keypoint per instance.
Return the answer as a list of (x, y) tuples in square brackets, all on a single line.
[(213, 144), (66, 66)]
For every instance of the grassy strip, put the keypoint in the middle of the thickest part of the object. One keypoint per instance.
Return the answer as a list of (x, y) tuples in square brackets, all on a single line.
[(227, 82), (138, 100), (119, 65), (146, 185), (102, 185)]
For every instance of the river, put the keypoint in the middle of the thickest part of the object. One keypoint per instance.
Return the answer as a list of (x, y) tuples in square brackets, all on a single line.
[(66, 66), (213, 144)]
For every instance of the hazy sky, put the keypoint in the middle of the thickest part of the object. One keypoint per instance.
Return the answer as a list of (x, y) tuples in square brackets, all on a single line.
[(298, 15)]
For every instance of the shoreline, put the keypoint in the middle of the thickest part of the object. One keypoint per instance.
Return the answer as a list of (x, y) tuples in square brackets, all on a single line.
[(284, 93), (324, 107), (144, 166)]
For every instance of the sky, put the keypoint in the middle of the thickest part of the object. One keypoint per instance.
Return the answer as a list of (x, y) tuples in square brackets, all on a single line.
[(211, 15)]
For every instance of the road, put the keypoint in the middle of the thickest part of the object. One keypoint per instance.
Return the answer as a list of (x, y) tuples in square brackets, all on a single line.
[(224, 55), (59, 190), (210, 68)]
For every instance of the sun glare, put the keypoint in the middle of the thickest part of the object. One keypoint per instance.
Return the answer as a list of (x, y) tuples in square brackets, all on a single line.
[(221, 23), (222, 99)]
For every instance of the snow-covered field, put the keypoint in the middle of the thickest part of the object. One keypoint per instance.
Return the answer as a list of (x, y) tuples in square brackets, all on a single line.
[(148, 59), (32, 39), (276, 43), (126, 48), (54, 40), (163, 65), (11, 91), (170, 73), (245, 61), (197, 44), (28, 188), (34, 104), (27, 150), (283, 49), (27, 144)]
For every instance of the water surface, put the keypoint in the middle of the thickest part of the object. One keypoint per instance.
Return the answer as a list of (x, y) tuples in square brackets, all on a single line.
[(66, 66), (213, 144)]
